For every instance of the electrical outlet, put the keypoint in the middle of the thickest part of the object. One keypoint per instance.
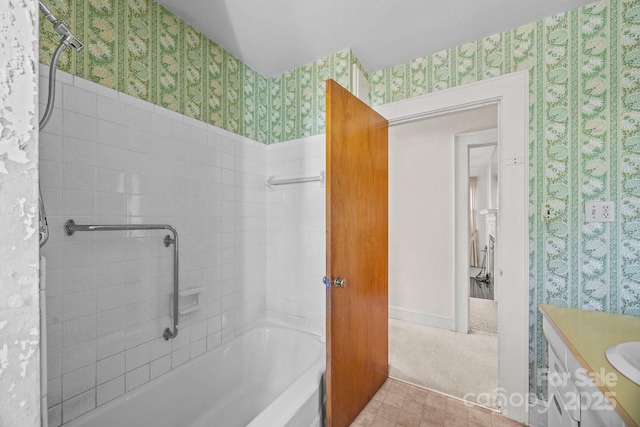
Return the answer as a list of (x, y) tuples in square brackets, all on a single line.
[(599, 212)]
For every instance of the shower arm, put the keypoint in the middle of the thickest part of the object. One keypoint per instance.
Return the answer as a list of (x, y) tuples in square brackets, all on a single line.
[(68, 38), (47, 13)]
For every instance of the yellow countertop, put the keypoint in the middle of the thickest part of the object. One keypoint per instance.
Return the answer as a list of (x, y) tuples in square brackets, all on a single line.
[(588, 334)]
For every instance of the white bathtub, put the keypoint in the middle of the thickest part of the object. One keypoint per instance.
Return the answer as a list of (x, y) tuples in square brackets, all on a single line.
[(268, 377)]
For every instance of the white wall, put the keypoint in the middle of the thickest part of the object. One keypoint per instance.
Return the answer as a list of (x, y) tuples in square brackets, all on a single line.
[(296, 236), (483, 200), (109, 158), (493, 184), (19, 317), (421, 215)]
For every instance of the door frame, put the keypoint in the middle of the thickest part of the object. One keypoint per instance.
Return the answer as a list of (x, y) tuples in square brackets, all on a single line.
[(463, 142), (511, 93)]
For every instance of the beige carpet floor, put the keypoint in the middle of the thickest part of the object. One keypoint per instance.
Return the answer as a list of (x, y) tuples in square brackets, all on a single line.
[(460, 365), (483, 315)]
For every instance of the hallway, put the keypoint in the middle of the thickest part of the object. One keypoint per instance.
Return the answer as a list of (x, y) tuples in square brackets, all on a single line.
[(461, 365)]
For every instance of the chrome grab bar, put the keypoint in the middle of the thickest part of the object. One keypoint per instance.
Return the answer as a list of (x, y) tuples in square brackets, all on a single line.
[(71, 227)]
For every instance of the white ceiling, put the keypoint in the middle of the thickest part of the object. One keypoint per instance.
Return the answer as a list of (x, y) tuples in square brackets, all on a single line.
[(279, 35), (480, 157), (474, 120)]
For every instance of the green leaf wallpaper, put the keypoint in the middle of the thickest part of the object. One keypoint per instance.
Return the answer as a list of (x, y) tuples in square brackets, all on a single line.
[(584, 68), (297, 97), (584, 145), (140, 48)]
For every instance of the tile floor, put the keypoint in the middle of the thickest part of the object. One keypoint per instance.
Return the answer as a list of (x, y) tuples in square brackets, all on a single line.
[(401, 404)]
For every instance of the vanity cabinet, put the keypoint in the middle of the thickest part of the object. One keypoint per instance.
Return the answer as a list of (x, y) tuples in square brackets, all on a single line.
[(564, 410), (574, 399)]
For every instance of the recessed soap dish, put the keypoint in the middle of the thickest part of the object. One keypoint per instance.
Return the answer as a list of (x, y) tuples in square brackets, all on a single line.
[(188, 301)]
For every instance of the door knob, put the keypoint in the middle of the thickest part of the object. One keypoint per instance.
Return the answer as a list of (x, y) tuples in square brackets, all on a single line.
[(339, 283)]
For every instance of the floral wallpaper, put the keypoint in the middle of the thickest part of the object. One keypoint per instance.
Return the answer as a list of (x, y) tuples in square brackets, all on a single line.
[(297, 104), (584, 70), (140, 48)]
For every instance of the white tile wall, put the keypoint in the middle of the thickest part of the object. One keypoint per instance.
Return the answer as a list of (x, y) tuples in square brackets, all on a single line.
[(296, 236), (109, 158)]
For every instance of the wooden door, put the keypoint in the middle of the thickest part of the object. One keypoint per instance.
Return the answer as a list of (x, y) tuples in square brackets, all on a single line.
[(357, 205)]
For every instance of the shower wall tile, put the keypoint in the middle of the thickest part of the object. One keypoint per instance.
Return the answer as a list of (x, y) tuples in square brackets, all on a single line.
[(198, 347), (79, 101), (53, 150), (53, 171), (78, 151), (110, 368), (137, 356), (54, 362), (118, 159), (180, 356), (54, 390), (78, 405), (109, 390), (136, 377), (78, 304), (54, 415), (77, 177), (79, 126), (296, 236), (110, 109), (79, 355), (160, 366), (78, 381)]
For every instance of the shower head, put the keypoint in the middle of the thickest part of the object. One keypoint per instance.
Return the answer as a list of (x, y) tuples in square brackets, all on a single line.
[(68, 38)]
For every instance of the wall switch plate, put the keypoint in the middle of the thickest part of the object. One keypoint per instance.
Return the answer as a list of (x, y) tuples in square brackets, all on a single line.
[(599, 212)]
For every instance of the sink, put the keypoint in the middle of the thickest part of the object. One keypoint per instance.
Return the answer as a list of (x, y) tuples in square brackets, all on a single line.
[(625, 358)]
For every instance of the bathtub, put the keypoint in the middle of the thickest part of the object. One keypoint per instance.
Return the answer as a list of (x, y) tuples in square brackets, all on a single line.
[(267, 377)]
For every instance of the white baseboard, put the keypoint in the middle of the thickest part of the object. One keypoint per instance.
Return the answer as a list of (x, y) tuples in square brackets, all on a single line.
[(406, 315)]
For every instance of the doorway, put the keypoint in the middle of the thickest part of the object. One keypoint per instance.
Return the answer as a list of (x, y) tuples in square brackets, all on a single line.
[(510, 92), (483, 209), (423, 212), (483, 214), (477, 165)]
